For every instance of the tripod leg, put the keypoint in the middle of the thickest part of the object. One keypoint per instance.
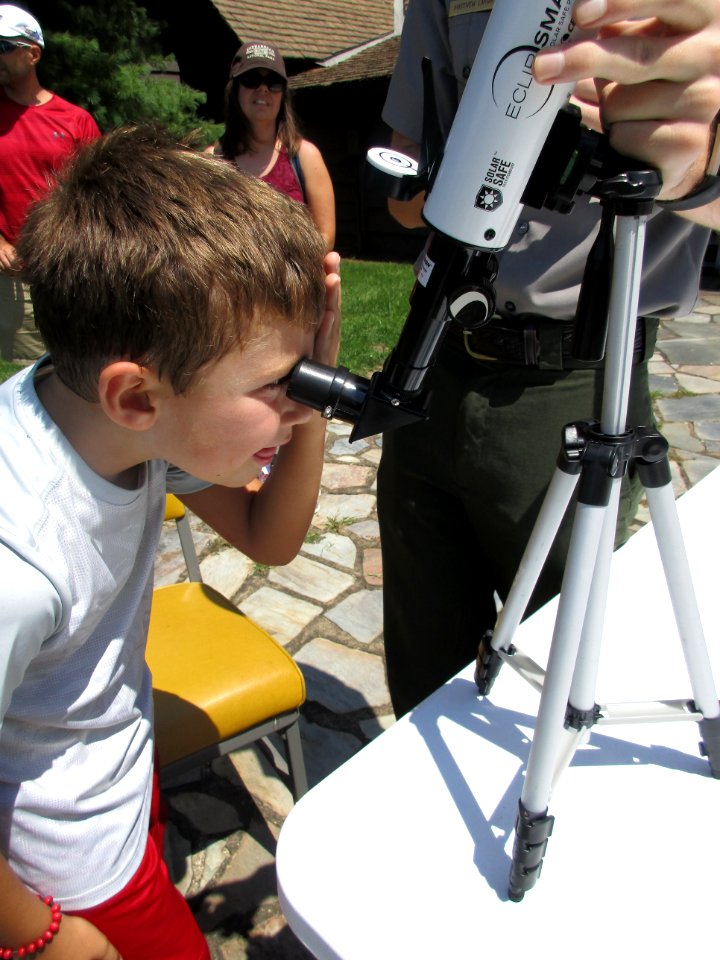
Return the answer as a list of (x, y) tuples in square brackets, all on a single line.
[(582, 711), (574, 595), (541, 540), (663, 511), (579, 572), (553, 509), (582, 693)]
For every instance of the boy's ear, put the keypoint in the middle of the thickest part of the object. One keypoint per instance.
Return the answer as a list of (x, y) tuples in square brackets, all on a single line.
[(129, 393)]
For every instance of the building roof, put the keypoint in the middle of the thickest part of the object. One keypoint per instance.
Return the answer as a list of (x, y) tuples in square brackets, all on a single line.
[(307, 28), (373, 61)]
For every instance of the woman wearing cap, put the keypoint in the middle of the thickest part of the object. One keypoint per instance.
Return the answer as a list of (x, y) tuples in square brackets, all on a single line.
[(262, 138)]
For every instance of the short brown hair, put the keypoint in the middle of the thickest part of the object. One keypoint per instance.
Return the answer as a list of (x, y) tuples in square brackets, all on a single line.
[(149, 251)]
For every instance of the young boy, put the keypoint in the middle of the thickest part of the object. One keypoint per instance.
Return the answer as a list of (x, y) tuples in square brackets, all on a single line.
[(174, 294)]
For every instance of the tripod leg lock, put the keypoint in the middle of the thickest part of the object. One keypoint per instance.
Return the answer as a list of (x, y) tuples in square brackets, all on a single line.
[(580, 719), (710, 744), (488, 663), (651, 458), (532, 832)]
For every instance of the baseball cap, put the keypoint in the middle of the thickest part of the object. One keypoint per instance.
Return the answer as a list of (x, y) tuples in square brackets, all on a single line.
[(256, 53), (16, 22)]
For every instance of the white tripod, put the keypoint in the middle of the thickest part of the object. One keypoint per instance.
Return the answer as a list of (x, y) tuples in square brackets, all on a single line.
[(597, 455)]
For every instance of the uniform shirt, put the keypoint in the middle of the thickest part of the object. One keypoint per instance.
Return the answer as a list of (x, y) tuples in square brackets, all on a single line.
[(76, 565), (541, 268), (35, 141)]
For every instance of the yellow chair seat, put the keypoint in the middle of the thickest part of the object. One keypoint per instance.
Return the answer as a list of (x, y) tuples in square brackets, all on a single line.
[(219, 681), (215, 673)]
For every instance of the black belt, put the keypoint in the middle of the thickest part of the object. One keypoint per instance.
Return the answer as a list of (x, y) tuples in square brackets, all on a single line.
[(532, 341)]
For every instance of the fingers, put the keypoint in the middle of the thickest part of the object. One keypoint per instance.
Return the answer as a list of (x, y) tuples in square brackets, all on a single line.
[(8, 257), (631, 58), (634, 41), (694, 103), (332, 262), (327, 341), (332, 282), (332, 285), (327, 338), (585, 96), (688, 15), (657, 72)]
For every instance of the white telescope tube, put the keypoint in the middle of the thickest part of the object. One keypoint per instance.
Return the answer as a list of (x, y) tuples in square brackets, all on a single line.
[(501, 125)]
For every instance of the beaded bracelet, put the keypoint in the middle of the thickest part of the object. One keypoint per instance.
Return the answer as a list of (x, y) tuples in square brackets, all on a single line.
[(35, 946)]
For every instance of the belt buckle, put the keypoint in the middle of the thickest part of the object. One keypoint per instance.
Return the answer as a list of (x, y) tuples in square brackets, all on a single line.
[(469, 350)]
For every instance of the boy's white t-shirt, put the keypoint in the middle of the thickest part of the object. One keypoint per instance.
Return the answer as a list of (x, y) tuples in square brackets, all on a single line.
[(76, 748)]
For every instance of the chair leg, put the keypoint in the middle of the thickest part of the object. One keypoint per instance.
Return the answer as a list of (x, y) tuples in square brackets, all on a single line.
[(296, 760)]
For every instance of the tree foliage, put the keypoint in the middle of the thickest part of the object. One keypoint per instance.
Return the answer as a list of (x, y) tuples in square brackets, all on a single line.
[(106, 57)]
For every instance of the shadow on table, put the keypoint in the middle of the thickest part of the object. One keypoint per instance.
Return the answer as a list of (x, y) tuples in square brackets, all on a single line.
[(510, 731)]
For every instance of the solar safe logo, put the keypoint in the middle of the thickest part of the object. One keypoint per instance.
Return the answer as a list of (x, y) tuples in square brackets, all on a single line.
[(488, 199)]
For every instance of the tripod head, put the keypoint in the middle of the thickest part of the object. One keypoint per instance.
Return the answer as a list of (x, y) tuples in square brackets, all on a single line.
[(512, 142)]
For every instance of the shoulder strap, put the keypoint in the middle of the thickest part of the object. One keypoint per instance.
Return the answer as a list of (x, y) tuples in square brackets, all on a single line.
[(295, 161)]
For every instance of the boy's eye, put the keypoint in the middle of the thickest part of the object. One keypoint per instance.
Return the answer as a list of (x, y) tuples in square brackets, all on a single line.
[(280, 382)]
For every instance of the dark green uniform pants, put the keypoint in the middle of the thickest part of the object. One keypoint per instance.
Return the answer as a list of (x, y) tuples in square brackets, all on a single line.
[(458, 497)]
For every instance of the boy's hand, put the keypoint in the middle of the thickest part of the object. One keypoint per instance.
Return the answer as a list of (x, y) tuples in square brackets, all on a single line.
[(327, 338), (8, 257), (80, 940), (658, 83)]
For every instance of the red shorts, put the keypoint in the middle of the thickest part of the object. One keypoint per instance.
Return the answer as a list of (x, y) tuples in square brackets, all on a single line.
[(149, 919)]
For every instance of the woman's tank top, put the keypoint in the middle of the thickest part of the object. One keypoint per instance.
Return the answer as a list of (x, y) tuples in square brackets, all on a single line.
[(283, 177)]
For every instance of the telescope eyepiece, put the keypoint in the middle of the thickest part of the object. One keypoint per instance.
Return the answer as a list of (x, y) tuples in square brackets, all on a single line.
[(334, 391)]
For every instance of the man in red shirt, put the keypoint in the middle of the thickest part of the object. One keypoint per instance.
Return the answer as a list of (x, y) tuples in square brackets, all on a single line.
[(38, 132)]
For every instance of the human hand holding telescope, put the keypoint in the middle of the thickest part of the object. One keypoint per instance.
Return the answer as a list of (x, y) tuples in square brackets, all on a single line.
[(648, 74)]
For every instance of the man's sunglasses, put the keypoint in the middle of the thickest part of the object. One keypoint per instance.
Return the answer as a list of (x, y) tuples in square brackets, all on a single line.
[(7, 46), (253, 79)]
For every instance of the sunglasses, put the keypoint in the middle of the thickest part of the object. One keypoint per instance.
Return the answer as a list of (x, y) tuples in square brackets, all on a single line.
[(253, 79), (7, 46)]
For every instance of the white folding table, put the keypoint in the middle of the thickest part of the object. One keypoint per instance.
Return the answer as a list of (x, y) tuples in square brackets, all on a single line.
[(404, 851)]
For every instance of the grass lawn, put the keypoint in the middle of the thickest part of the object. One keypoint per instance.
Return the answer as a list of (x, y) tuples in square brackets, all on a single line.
[(7, 369), (374, 307)]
